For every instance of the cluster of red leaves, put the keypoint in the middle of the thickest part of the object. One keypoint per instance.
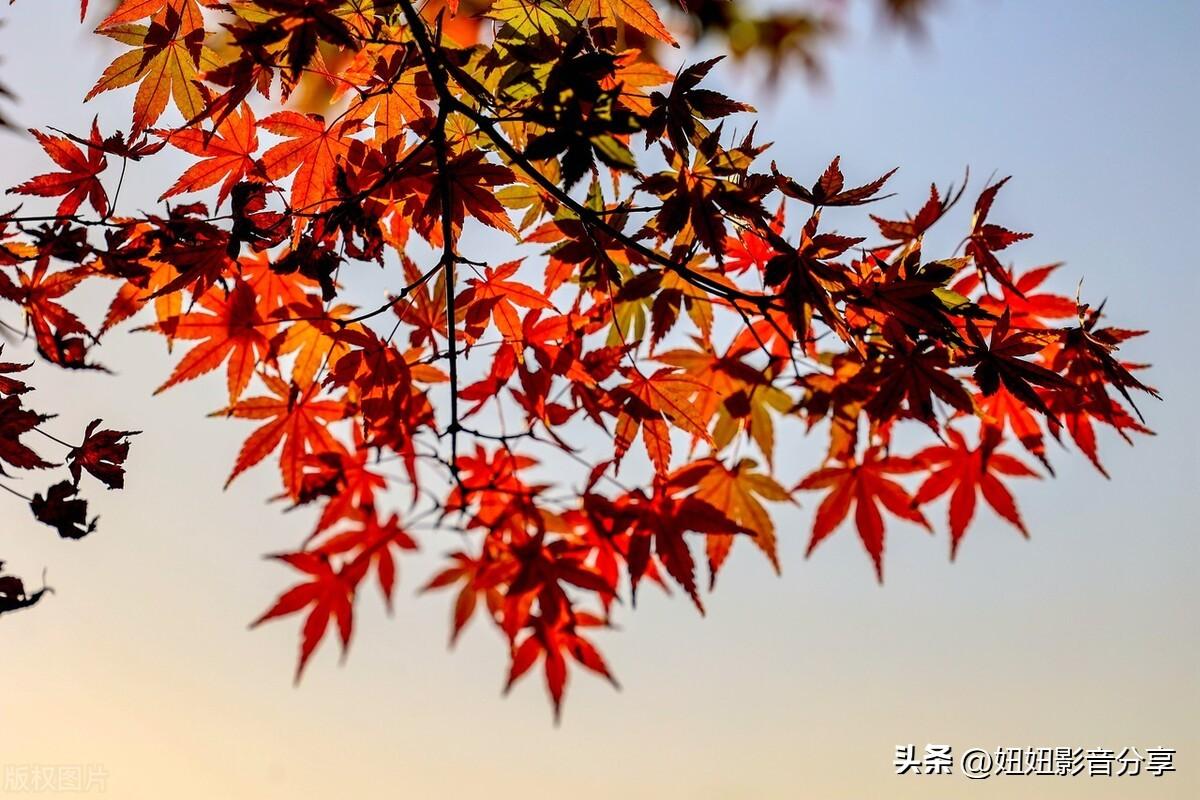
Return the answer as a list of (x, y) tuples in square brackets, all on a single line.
[(616, 320), (101, 454)]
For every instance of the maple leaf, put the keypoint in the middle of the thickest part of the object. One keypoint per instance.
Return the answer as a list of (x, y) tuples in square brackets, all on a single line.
[(986, 238), (494, 297), (749, 249), (680, 113), (311, 259), (1086, 353), (311, 339), (999, 361), (313, 149), (294, 417), (80, 178), (638, 14), (737, 492), (1004, 411), (16, 420), (330, 592), (276, 289), (14, 596), (649, 404), (552, 642), (102, 454), (199, 250), (231, 331), (659, 523), (227, 154), (492, 483), (62, 510), (253, 223), (397, 93), (1076, 409), (167, 62), (830, 189), (739, 396), (372, 543), (698, 198), (423, 308), (471, 181), (52, 322), (582, 120), (131, 297), (8, 384), (913, 373), (301, 25), (863, 484), (968, 470), (632, 75), (546, 570), (807, 278), (476, 577), (343, 476), (906, 295), (913, 227), (676, 294)]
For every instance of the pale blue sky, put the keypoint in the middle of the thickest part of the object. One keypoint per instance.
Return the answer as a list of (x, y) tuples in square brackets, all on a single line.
[(795, 686)]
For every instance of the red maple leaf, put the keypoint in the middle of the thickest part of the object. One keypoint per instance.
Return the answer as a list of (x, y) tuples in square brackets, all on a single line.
[(985, 238), (102, 453), (864, 485), (658, 524), (970, 470), (649, 404), (16, 420), (1005, 411), (370, 542), (294, 417), (553, 642), (495, 297), (830, 189), (232, 331), (477, 577), (329, 592), (79, 179), (913, 227), (51, 321)]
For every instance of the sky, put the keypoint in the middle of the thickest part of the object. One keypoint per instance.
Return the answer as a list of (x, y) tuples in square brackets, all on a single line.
[(141, 665)]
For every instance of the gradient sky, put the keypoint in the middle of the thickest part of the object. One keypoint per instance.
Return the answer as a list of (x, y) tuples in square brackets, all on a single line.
[(799, 686)]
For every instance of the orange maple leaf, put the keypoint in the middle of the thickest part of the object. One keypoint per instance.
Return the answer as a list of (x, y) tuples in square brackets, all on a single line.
[(233, 331), (312, 148), (649, 403), (227, 153), (167, 62), (738, 493), (294, 417), (495, 297), (637, 14)]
